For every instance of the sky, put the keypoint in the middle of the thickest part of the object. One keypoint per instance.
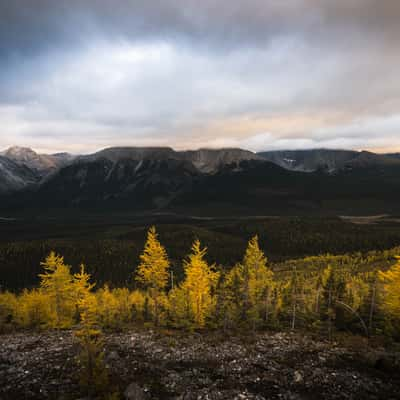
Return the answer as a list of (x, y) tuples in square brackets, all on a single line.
[(81, 75)]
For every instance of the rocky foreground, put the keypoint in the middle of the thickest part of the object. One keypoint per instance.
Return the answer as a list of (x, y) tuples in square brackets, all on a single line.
[(167, 365)]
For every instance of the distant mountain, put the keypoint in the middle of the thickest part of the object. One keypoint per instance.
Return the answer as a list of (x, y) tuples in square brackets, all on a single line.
[(149, 177), (393, 155), (42, 164), (115, 154), (15, 177), (327, 160), (210, 160), (366, 159), (141, 183), (137, 168), (204, 160), (264, 188), (224, 181)]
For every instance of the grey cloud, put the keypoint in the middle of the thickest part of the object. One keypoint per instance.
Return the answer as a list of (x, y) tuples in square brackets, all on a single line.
[(69, 71), (30, 25)]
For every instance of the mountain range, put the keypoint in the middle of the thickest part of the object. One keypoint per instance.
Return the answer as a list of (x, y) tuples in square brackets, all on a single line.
[(201, 181), (328, 160)]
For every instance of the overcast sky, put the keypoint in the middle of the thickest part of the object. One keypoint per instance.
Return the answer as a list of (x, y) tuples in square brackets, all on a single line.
[(80, 75)]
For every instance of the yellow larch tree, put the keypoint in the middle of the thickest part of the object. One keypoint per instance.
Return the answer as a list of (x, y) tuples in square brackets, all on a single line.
[(107, 307), (153, 273), (391, 290), (137, 300), (57, 283), (34, 309), (231, 298), (9, 306), (179, 310), (82, 286), (199, 284), (118, 307), (87, 304), (258, 283), (82, 283), (93, 376)]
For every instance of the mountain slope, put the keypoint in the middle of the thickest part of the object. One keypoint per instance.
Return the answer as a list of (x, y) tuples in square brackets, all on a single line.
[(205, 160), (115, 154), (264, 188), (366, 159), (251, 187), (149, 177), (42, 164), (136, 183), (15, 177), (211, 160), (327, 160), (214, 182), (393, 155)]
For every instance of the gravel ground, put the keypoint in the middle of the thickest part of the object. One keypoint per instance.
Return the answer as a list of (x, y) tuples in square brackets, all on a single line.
[(170, 365)]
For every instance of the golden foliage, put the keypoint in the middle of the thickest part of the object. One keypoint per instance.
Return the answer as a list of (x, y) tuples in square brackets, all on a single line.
[(152, 272), (57, 283), (391, 280), (93, 377), (34, 309), (258, 282), (8, 309), (198, 286), (311, 292)]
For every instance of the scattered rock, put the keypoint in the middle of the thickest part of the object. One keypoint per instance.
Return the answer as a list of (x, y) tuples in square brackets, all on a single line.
[(113, 356), (135, 392), (298, 377), (208, 366)]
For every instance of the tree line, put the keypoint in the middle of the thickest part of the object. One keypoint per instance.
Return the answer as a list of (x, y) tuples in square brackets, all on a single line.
[(110, 251), (323, 294)]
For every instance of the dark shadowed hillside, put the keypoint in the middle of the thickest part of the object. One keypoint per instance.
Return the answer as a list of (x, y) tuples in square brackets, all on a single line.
[(202, 182), (328, 160)]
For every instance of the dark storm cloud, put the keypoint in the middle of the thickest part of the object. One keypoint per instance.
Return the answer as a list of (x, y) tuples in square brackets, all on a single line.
[(27, 25), (253, 73)]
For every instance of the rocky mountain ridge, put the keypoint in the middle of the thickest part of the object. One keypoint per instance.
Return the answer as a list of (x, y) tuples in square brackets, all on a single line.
[(221, 180), (328, 160), (41, 164), (205, 160), (48, 167), (14, 176)]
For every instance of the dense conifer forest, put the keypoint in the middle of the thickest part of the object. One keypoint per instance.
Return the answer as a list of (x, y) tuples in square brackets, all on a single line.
[(110, 246)]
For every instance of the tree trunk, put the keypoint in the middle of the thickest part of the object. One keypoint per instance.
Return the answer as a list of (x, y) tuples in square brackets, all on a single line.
[(156, 310), (330, 315), (372, 308), (317, 300), (294, 315), (267, 305), (294, 299)]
